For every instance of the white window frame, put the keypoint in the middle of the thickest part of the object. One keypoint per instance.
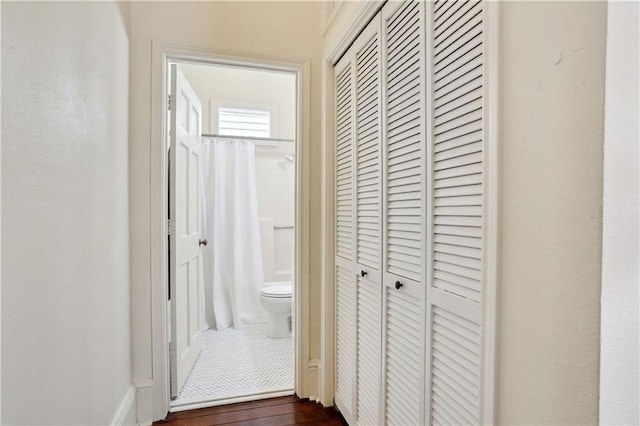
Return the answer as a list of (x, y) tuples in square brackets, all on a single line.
[(215, 104)]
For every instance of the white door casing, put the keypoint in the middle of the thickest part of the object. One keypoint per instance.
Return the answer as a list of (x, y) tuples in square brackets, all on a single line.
[(184, 215)]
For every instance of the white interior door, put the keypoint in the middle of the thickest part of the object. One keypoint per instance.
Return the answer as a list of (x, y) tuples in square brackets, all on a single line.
[(184, 233)]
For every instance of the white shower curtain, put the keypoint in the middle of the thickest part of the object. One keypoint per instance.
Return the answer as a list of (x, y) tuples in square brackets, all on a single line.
[(232, 261)]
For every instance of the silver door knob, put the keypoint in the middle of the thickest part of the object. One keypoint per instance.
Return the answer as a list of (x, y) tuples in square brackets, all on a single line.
[(203, 242)]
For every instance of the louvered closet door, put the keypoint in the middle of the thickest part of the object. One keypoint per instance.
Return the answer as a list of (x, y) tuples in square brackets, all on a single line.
[(368, 224), (403, 29), (455, 294), (345, 243)]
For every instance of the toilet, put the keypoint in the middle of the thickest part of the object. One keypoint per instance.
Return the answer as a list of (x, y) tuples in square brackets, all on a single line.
[(276, 299)]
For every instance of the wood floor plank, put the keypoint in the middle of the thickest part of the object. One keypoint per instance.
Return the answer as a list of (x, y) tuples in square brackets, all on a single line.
[(299, 416), (231, 407), (268, 412)]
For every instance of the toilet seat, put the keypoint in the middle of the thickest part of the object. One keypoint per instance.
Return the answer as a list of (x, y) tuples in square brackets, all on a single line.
[(280, 291)]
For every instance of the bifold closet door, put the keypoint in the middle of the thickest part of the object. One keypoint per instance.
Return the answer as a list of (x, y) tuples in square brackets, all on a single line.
[(456, 386), (368, 223), (359, 229), (404, 142), (345, 243)]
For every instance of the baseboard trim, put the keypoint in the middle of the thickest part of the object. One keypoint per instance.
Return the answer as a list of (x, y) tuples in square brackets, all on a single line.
[(124, 409), (144, 401), (314, 370)]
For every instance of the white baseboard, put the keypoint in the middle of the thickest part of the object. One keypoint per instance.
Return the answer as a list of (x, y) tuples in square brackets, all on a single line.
[(144, 401), (124, 415), (314, 370)]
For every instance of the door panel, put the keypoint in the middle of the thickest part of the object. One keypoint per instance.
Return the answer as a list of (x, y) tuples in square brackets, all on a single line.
[(404, 180), (184, 239)]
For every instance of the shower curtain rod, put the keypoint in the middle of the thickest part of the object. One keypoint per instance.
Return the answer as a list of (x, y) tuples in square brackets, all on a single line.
[(252, 138)]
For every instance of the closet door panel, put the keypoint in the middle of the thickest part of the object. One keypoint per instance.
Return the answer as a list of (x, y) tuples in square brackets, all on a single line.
[(369, 338), (345, 338), (405, 114), (368, 223), (368, 110), (344, 160), (456, 252), (346, 297), (403, 28)]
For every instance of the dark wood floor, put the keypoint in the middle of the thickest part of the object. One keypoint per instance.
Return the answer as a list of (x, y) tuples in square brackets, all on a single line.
[(287, 410)]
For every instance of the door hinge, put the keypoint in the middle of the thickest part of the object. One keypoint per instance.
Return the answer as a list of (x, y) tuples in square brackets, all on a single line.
[(169, 102), (170, 226)]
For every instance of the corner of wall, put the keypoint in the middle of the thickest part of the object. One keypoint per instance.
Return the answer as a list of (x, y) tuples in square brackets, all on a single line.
[(126, 412)]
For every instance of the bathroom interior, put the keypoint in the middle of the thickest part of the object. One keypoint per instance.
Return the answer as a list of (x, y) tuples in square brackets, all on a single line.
[(248, 155)]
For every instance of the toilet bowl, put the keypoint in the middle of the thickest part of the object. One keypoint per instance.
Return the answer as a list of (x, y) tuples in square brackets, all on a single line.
[(276, 300)]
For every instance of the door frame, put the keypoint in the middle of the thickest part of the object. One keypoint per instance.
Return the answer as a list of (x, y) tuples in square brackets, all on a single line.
[(162, 54)]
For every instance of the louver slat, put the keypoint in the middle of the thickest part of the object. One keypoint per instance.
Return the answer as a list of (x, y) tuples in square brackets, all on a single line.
[(455, 368), (368, 223), (345, 339), (404, 358), (368, 111), (405, 139), (345, 205), (456, 255), (404, 219), (368, 359), (344, 164), (459, 167)]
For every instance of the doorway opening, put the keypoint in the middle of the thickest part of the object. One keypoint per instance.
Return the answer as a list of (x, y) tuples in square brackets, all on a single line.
[(234, 204)]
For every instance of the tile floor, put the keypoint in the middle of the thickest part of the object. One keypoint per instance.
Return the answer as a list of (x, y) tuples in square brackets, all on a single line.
[(234, 363)]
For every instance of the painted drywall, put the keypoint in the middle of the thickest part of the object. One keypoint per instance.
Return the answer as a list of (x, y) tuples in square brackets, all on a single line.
[(66, 331), (553, 60), (620, 330), (280, 29), (275, 176)]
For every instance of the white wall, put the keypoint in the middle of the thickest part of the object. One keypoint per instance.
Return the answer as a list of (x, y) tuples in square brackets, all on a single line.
[(275, 177), (620, 355), (66, 342), (552, 139), (280, 29)]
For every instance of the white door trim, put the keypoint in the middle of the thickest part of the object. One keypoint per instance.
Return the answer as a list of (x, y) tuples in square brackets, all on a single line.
[(162, 54)]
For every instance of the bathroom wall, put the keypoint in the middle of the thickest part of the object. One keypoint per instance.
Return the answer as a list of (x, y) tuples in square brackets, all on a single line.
[(275, 176)]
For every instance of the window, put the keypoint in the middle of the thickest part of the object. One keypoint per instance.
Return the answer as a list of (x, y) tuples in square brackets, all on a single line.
[(244, 122)]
